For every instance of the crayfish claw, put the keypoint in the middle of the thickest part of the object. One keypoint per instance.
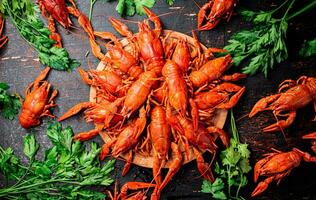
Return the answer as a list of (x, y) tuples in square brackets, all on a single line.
[(262, 104), (262, 186), (76, 109), (310, 136)]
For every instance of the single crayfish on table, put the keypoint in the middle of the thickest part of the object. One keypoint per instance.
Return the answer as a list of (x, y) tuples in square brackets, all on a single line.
[(38, 100), (140, 195), (3, 39), (275, 166), (292, 95), (213, 12), (156, 97)]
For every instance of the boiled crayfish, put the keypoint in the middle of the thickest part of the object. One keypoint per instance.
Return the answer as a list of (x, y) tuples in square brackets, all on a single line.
[(212, 12), (130, 186), (3, 39), (38, 100), (155, 97), (292, 96), (275, 166)]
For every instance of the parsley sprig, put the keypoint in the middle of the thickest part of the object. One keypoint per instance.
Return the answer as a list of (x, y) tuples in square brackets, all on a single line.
[(23, 14), (67, 168), (264, 45), (9, 104), (232, 169), (130, 7)]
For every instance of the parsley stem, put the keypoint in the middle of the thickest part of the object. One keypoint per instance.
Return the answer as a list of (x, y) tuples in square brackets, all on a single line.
[(229, 185), (19, 26), (233, 126), (239, 186), (309, 6), (5, 191), (288, 9), (92, 2), (26, 172), (278, 8)]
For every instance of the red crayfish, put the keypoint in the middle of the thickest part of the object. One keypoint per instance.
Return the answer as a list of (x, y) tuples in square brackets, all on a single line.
[(292, 96), (38, 100), (130, 186), (275, 166), (212, 12)]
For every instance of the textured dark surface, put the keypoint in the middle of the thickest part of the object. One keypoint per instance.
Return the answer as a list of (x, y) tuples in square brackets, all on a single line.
[(19, 67)]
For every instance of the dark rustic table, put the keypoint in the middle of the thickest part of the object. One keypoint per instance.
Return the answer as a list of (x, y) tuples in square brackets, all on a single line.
[(19, 66)]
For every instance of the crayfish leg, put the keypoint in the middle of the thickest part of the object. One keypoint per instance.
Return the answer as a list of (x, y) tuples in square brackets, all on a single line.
[(281, 124), (194, 114), (54, 34), (203, 167), (73, 3), (47, 113), (157, 165), (233, 100), (108, 36), (175, 165), (310, 136), (128, 164), (3, 40), (86, 135), (76, 109), (41, 77), (306, 156), (222, 134), (234, 77), (105, 150), (53, 96), (133, 186), (83, 21)]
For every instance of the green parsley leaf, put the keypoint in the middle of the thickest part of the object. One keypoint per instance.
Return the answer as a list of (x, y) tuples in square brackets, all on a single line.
[(30, 146), (24, 17), (126, 7), (130, 7), (170, 2), (263, 46), (214, 188), (66, 169), (139, 4), (243, 150), (9, 104), (120, 7), (233, 166)]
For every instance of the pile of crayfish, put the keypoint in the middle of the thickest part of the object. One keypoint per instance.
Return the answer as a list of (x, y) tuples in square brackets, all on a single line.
[(157, 98)]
